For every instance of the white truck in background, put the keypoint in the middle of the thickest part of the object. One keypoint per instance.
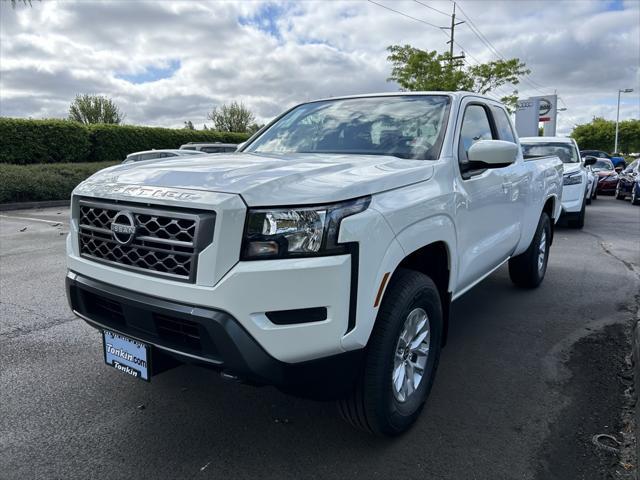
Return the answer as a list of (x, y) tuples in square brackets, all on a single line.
[(323, 257), (577, 190)]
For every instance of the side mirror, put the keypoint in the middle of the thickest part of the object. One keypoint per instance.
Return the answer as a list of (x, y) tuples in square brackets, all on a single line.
[(589, 160), (493, 153)]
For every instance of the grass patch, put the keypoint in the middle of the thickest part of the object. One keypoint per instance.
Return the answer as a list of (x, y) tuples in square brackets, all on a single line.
[(53, 181)]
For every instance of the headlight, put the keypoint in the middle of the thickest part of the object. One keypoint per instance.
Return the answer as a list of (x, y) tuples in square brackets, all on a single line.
[(572, 179), (297, 232)]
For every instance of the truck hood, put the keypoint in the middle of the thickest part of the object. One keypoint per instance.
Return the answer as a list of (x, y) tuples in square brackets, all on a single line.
[(264, 180)]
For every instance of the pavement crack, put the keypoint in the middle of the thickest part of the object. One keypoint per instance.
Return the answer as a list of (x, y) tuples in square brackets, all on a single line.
[(606, 247), (26, 309)]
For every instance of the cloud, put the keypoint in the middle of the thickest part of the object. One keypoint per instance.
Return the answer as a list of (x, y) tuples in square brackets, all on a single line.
[(167, 62)]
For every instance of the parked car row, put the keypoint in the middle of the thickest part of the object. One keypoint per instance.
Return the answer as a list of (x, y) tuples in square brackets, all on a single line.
[(622, 184), (191, 148), (629, 183)]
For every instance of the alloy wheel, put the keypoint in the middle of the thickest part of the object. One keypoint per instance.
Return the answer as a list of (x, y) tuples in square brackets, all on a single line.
[(411, 354)]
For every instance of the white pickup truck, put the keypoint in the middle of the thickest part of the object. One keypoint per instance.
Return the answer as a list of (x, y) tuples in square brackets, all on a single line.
[(321, 258)]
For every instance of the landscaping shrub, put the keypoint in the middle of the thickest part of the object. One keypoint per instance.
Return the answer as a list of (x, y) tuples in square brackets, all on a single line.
[(55, 141), (43, 141), (115, 142), (29, 183)]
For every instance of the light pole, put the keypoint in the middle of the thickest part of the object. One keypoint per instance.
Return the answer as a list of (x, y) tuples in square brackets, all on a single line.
[(626, 90)]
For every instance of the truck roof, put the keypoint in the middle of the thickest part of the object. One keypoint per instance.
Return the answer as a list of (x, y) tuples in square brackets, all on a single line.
[(455, 95)]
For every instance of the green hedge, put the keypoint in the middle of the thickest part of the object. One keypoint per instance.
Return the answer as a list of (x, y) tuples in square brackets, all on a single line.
[(115, 142), (28, 183), (53, 141), (43, 141)]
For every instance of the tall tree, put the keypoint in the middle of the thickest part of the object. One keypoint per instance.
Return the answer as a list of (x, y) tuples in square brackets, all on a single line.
[(95, 109), (234, 117), (599, 134), (188, 125), (414, 69)]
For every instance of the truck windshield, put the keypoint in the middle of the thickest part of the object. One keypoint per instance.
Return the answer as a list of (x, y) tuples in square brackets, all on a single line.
[(410, 126), (565, 151)]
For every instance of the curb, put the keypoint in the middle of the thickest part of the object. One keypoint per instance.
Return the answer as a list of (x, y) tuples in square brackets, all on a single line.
[(28, 205)]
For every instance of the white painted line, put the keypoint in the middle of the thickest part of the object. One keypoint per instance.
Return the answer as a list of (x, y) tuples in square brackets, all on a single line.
[(34, 219)]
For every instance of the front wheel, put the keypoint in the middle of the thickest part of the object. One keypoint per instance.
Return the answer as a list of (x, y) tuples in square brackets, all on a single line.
[(577, 220), (527, 270), (402, 358), (619, 194)]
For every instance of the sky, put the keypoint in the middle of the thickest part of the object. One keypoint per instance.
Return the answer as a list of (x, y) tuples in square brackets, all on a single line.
[(166, 62)]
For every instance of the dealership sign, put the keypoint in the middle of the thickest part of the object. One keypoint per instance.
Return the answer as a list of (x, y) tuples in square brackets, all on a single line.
[(531, 111)]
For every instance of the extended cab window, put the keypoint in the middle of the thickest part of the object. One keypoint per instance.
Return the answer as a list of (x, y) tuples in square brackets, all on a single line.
[(475, 127)]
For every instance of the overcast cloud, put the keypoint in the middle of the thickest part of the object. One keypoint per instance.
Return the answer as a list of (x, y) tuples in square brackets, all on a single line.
[(166, 62)]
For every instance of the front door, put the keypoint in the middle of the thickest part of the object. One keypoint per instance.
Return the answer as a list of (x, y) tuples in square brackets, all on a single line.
[(488, 228)]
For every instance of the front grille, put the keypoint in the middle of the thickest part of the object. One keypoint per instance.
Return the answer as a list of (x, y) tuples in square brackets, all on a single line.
[(166, 242)]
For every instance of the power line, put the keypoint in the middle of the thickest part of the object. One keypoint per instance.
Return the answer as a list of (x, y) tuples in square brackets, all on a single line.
[(472, 26), (451, 36), (406, 15), (432, 8)]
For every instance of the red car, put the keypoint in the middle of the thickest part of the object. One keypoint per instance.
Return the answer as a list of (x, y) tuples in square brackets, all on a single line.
[(607, 176)]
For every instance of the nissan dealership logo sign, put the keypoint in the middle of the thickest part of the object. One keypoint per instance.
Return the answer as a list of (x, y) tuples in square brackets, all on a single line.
[(545, 107), (123, 228)]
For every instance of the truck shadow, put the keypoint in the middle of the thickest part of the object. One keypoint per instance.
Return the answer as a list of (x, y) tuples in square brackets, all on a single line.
[(491, 368)]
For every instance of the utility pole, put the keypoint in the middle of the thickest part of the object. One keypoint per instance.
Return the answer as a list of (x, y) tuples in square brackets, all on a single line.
[(452, 29)]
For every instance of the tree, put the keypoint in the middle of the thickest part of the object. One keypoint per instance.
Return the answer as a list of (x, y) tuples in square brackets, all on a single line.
[(188, 125), (234, 117), (15, 2), (95, 109), (254, 127), (599, 134), (414, 69)]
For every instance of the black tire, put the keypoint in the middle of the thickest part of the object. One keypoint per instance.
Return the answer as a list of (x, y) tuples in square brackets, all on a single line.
[(372, 405), (635, 195), (577, 220), (523, 269), (588, 201), (595, 193), (619, 195)]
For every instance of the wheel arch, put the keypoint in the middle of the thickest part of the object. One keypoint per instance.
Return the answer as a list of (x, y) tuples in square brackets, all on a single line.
[(550, 209), (434, 261)]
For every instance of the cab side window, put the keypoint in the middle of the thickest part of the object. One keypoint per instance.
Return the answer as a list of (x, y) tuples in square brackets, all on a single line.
[(476, 126), (503, 125)]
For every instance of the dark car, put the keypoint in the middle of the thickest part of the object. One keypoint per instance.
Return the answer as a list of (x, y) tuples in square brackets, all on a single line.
[(618, 162), (629, 183), (607, 176)]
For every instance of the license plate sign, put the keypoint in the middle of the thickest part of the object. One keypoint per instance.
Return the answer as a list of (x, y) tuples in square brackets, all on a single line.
[(127, 355)]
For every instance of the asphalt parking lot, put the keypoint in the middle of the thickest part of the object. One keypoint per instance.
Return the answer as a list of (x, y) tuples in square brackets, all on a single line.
[(510, 384)]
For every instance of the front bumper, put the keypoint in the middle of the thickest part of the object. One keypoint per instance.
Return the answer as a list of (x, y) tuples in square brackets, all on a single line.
[(250, 290), (207, 337), (607, 186), (572, 198)]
